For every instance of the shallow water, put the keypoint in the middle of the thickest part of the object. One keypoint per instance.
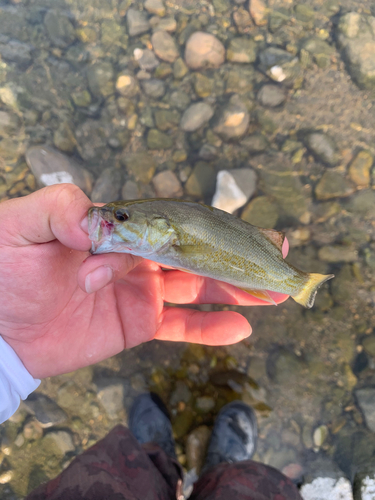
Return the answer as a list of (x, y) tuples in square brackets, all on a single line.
[(70, 77)]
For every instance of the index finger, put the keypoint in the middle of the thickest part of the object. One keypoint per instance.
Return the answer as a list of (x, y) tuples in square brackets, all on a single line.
[(54, 212)]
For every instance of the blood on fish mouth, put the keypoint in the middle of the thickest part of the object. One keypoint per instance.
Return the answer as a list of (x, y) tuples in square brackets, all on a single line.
[(106, 227)]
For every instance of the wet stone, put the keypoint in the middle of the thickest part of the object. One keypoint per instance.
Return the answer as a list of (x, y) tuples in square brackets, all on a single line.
[(256, 143), (45, 410), (320, 435), (81, 99), (364, 483), (204, 50), (228, 195), (221, 6), (232, 120), (258, 12), (155, 7), (63, 138), (333, 185), (158, 140), (205, 404), (366, 402), (137, 22), (146, 59), (127, 85), (51, 167), (9, 123), (362, 203), (319, 50), (271, 96), (196, 116), (140, 165), (164, 24), (59, 28), (180, 394), (281, 66), (242, 50), (100, 78), (179, 100), (166, 119), (33, 430), (153, 88), (164, 46), (61, 441), (163, 70), (208, 152), (327, 488), (359, 170), (323, 147), (369, 345), (196, 447), (242, 20), (107, 186), (179, 69), (201, 182), (17, 52), (202, 85), (167, 185), (283, 365), (130, 191), (112, 393), (338, 253)]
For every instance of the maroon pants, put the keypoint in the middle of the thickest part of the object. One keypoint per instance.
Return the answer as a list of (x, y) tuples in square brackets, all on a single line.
[(119, 468)]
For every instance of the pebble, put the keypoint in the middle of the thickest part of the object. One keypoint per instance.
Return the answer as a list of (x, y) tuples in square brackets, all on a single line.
[(165, 24), (112, 393), (320, 435), (366, 402), (81, 99), (60, 440), (146, 59), (196, 447), (205, 404), (167, 185), (327, 488), (319, 50), (246, 178), (203, 85), (179, 100), (181, 393), (179, 68), (360, 168), (208, 152), (155, 7), (158, 140), (196, 115), (167, 119), (201, 182), (18, 52), (100, 77), (107, 186), (364, 483), (281, 66), (271, 96), (33, 430), (63, 138), (261, 212), (333, 185), (369, 345), (9, 123), (45, 410), (256, 143), (258, 12), (130, 191), (59, 28), (242, 50), (51, 167), (204, 50), (153, 88), (164, 46), (137, 22), (232, 119), (283, 365), (338, 253), (141, 165), (228, 195), (323, 147), (127, 85), (242, 20)]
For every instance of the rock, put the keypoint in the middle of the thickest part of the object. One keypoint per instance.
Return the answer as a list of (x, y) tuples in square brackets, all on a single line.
[(81, 99), (366, 402), (362, 203), (153, 88), (155, 7), (369, 345), (364, 483), (107, 186), (320, 435), (283, 364), (164, 46), (63, 138), (242, 50), (179, 68), (146, 59), (357, 40), (100, 78), (201, 182), (258, 12), (166, 24), (242, 20), (338, 253), (140, 165), (228, 196), (167, 119), (203, 85), (182, 423), (130, 191), (271, 96), (33, 430), (359, 170), (51, 167), (232, 120), (196, 447), (158, 140), (18, 52), (127, 85), (333, 185), (59, 28), (46, 411), (327, 488), (180, 394), (197, 115), (204, 404), (207, 152), (167, 185), (281, 66), (112, 393), (323, 147), (61, 441), (163, 70), (137, 22), (179, 100), (256, 143), (204, 50), (319, 50), (9, 123)]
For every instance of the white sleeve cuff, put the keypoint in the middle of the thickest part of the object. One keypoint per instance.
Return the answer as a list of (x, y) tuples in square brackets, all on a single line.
[(15, 381)]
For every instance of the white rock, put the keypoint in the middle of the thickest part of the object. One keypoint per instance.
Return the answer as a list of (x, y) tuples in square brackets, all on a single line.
[(327, 488), (368, 488), (228, 196)]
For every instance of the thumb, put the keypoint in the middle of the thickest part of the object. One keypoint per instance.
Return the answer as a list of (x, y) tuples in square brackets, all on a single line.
[(54, 212)]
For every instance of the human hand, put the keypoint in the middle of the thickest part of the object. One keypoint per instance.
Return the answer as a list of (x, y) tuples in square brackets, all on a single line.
[(55, 326)]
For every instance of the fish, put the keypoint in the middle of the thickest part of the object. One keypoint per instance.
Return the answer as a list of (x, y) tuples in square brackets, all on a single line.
[(203, 240)]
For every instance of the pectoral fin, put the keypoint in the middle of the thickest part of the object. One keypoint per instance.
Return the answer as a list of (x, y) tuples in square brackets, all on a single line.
[(260, 294), (276, 237)]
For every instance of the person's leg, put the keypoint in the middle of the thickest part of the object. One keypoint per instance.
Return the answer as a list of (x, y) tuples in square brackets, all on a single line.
[(229, 472), (119, 467)]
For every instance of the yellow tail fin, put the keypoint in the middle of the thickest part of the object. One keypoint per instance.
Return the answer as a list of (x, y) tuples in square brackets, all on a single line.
[(306, 296)]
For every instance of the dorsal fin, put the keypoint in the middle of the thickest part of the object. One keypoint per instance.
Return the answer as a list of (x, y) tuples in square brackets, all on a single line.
[(275, 237)]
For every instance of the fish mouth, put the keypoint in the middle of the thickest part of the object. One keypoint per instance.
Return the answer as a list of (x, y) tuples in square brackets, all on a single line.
[(100, 229)]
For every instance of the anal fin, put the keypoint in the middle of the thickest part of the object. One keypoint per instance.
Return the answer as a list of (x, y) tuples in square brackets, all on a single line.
[(260, 294)]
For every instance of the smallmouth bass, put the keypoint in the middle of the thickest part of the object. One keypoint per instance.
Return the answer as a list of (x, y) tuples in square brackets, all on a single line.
[(202, 240)]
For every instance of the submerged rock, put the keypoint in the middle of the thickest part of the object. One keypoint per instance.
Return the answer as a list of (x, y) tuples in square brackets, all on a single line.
[(201, 182), (196, 116), (137, 22), (327, 488), (360, 168), (204, 50), (100, 78), (228, 196), (164, 46), (167, 185), (232, 120), (18, 52), (281, 66), (158, 140), (333, 185), (196, 447), (366, 402), (242, 50), (45, 410), (107, 186), (261, 212), (59, 28), (323, 147), (141, 165), (153, 88), (271, 96), (258, 12)]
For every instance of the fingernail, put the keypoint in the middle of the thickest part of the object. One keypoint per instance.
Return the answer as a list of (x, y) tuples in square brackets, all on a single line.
[(85, 225), (98, 279)]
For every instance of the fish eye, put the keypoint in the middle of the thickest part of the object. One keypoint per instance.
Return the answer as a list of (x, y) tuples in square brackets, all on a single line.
[(121, 216)]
